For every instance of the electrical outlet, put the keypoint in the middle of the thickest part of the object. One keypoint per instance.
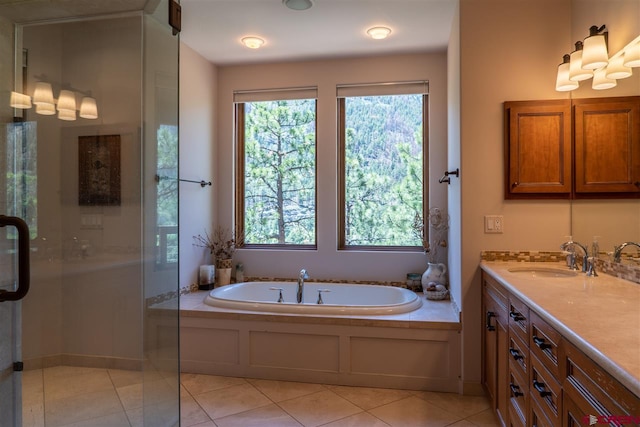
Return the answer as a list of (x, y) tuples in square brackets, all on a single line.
[(493, 224)]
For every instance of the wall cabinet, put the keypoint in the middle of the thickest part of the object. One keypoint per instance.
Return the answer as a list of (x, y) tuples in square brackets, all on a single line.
[(535, 377), (583, 148)]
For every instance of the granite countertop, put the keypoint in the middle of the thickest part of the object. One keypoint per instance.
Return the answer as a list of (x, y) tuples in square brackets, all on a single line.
[(599, 315)]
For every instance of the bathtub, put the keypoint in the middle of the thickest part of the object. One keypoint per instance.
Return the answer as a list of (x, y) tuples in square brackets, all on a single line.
[(339, 299)]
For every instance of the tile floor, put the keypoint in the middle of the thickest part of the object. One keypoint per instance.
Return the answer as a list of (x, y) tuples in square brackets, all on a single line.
[(65, 396)]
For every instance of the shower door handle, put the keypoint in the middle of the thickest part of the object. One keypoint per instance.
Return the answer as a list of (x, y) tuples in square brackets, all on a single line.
[(23, 258)]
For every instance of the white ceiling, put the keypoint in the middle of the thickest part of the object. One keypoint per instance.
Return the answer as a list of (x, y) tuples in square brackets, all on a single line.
[(331, 28)]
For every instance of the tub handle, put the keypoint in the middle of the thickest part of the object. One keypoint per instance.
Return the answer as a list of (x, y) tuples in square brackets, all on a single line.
[(280, 299), (320, 291)]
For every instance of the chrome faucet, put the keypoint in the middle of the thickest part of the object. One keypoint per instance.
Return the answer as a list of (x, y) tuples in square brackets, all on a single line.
[(617, 252), (570, 247), (301, 278)]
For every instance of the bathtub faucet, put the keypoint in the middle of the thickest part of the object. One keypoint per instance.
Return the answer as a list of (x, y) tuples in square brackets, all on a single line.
[(301, 278)]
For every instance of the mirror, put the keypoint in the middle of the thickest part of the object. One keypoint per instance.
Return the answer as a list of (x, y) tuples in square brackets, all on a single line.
[(614, 221)]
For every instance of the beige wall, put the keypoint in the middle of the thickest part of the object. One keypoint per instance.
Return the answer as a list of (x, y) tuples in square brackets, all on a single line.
[(326, 262), (197, 156), (510, 51)]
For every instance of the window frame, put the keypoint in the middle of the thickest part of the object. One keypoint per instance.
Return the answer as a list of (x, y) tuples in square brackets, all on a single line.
[(239, 214), (342, 246)]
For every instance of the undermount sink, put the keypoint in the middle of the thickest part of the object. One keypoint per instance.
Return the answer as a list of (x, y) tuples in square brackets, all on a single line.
[(543, 271)]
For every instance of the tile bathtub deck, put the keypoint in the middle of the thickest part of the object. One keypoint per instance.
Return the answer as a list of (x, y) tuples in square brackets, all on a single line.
[(53, 397)]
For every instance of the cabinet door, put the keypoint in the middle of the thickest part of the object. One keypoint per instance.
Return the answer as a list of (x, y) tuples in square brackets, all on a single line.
[(537, 149), (607, 147), (495, 346)]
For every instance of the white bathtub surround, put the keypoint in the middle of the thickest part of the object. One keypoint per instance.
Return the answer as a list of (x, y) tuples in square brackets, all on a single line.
[(338, 299), (417, 350)]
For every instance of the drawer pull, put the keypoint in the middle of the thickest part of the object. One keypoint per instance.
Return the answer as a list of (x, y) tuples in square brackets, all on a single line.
[(540, 388), (488, 324), (515, 354), (540, 342), (516, 316), (515, 390)]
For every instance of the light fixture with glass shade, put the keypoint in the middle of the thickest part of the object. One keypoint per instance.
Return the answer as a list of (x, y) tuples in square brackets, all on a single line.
[(617, 70), (88, 108), (67, 101), (43, 94), (576, 73), (46, 109), (67, 115), (19, 100), (379, 33), (632, 55), (252, 42), (563, 84), (594, 54), (601, 81)]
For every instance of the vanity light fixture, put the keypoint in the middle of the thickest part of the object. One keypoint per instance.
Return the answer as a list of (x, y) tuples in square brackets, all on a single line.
[(379, 33), (563, 83), (252, 42), (43, 94), (67, 101), (65, 106), (590, 59), (595, 53), (632, 55), (601, 81), (298, 4), (19, 100), (88, 108), (576, 72), (617, 70)]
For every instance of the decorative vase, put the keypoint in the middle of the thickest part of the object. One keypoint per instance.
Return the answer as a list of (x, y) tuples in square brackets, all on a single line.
[(436, 272), (223, 267)]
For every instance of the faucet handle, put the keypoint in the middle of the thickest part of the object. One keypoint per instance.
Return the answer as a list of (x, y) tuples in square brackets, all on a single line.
[(280, 299), (591, 267), (320, 291)]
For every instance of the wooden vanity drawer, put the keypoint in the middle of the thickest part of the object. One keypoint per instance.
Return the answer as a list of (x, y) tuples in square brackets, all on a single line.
[(590, 387), (537, 418), (518, 394), (545, 390), (519, 318), (544, 343), (519, 354)]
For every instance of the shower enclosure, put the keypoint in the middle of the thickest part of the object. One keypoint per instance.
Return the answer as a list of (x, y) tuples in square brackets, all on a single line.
[(89, 143)]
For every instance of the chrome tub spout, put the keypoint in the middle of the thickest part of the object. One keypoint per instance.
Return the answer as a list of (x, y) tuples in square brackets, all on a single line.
[(301, 278)]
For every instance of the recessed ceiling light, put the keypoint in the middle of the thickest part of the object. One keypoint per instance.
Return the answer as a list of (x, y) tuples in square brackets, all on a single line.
[(298, 4), (252, 42), (379, 33)]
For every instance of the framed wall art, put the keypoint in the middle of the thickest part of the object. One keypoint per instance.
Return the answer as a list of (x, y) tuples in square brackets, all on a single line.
[(99, 170)]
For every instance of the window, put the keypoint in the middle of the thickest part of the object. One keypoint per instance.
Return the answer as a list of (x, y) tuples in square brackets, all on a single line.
[(276, 174), (383, 151), (167, 197), (21, 175)]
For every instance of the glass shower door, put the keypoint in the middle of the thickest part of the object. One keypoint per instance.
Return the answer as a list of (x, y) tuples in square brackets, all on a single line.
[(98, 330)]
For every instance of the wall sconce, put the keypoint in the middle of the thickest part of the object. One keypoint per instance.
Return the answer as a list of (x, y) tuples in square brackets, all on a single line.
[(46, 105), (590, 60)]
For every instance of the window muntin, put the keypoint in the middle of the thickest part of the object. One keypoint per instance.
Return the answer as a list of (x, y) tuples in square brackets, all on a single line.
[(276, 199), (383, 185)]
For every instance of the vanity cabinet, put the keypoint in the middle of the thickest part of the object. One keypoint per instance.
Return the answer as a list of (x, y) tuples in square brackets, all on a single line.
[(581, 148), (495, 346), (536, 377)]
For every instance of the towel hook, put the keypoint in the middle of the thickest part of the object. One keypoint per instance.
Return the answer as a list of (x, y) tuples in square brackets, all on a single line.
[(446, 177)]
